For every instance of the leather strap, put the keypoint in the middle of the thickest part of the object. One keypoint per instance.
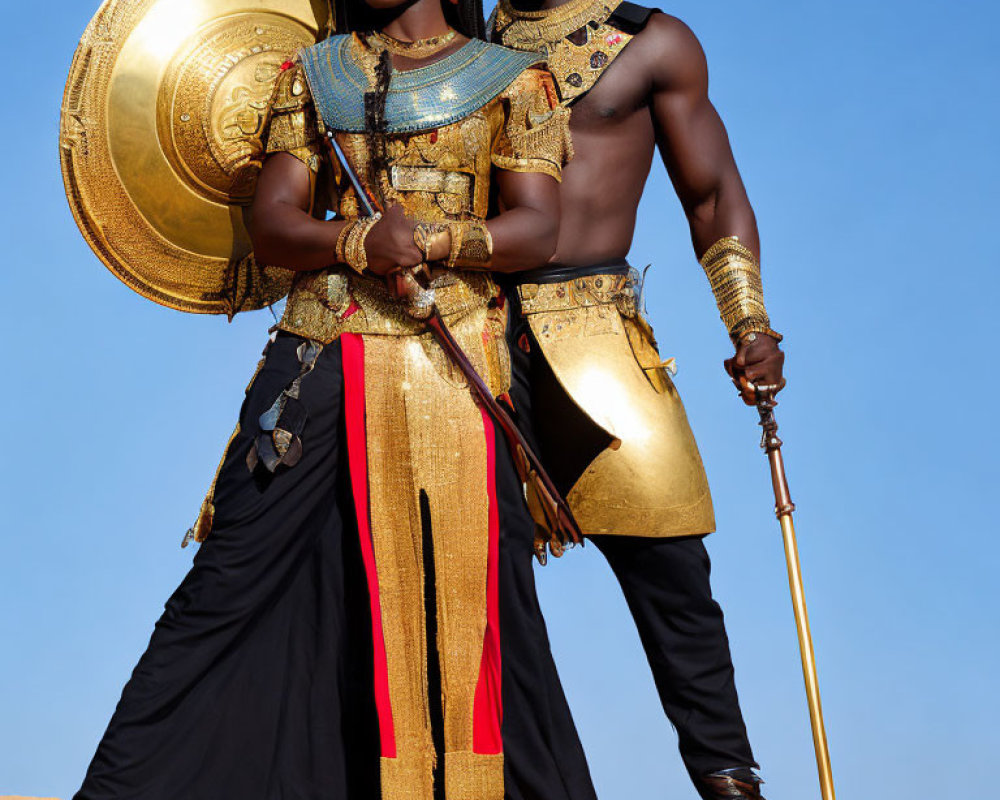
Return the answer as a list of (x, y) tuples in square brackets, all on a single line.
[(630, 17)]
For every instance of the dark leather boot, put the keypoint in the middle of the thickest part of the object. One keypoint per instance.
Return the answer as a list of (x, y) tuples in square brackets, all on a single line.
[(741, 783)]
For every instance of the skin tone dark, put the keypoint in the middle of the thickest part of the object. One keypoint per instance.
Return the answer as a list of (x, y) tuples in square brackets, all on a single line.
[(655, 96), (284, 233)]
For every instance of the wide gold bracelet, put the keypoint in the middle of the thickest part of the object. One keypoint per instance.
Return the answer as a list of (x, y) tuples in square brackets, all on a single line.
[(355, 255), (734, 275), (426, 235), (339, 250), (471, 244)]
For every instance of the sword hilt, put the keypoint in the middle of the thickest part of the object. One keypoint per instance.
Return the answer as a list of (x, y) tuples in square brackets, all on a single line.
[(769, 425), (771, 444)]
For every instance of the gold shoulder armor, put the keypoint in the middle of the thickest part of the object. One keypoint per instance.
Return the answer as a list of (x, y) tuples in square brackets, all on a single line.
[(535, 135), (292, 125)]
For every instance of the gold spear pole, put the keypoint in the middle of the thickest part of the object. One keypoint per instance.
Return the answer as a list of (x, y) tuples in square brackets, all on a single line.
[(784, 507)]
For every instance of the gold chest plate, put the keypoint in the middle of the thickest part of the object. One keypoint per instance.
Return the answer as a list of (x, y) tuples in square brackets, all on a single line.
[(575, 39)]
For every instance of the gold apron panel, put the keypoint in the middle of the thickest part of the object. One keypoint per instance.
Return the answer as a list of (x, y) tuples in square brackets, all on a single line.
[(651, 481), (426, 437)]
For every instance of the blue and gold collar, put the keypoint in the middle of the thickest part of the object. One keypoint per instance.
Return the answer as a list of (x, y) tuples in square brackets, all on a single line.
[(419, 99)]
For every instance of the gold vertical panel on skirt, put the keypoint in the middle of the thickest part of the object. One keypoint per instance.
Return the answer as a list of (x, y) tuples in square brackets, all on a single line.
[(425, 433), (398, 546)]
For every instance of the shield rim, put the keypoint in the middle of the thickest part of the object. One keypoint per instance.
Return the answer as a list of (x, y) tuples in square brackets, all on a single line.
[(83, 124)]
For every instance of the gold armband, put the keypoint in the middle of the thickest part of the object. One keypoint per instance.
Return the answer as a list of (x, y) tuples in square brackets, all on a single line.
[(350, 248), (471, 244), (734, 275)]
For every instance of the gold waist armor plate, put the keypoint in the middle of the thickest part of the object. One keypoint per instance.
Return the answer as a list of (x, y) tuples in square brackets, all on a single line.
[(651, 481)]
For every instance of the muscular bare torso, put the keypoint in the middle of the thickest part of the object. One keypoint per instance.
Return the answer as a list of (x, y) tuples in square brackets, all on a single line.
[(654, 95), (614, 141)]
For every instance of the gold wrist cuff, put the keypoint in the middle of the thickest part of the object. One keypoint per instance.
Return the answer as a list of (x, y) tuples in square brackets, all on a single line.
[(471, 244), (426, 235), (734, 275), (339, 250), (355, 255)]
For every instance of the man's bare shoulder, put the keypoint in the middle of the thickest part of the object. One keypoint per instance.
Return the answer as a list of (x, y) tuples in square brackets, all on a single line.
[(671, 51)]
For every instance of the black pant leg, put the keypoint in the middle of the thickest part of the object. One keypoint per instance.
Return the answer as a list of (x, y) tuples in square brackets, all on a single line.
[(242, 690), (666, 584), (543, 756)]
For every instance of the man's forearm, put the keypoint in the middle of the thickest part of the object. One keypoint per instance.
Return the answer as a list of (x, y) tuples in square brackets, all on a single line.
[(286, 236), (523, 238), (724, 212)]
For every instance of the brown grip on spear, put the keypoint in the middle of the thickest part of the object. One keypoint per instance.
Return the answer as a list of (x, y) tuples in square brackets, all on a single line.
[(784, 507)]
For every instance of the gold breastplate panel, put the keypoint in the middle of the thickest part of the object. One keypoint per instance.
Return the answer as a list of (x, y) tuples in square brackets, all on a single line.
[(575, 38), (435, 175)]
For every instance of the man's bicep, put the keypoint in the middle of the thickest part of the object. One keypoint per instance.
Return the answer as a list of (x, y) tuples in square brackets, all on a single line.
[(691, 136), (284, 179), (533, 190)]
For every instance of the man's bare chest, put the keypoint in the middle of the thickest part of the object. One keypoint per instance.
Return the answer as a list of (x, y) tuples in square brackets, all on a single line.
[(618, 102)]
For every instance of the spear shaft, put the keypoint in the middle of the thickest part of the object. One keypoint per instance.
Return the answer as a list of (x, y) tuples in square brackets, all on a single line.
[(783, 508)]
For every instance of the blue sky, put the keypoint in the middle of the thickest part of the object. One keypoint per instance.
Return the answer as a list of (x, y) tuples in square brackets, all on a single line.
[(867, 134)]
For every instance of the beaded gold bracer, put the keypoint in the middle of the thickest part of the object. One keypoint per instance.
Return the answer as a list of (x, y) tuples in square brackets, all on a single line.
[(734, 274)]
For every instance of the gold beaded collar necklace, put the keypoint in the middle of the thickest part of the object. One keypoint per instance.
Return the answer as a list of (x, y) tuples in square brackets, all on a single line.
[(419, 48)]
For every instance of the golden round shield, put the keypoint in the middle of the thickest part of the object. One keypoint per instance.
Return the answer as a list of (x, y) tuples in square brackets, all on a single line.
[(160, 142)]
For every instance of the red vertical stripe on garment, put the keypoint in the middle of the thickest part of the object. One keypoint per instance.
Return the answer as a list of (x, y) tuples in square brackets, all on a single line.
[(488, 708), (353, 358)]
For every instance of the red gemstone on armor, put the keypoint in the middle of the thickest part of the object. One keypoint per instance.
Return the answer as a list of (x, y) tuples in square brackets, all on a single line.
[(434, 136), (524, 343), (286, 65), (613, 39)]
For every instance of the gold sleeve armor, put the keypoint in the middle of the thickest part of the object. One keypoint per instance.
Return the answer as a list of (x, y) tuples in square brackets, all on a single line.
[(292, 124), (535, 135), (734, 275)]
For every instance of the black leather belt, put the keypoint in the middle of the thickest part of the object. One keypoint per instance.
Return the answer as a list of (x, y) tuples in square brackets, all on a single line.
[(560, 273)]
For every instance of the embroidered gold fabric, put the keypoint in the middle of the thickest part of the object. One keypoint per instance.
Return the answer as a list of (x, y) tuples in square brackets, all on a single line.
[(536, 137), (734, 275), (650, 482), (414, 449), (575, 38)]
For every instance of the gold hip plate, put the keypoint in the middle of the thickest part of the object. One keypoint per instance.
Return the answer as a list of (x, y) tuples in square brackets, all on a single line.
[(160, 142), (651, 481)]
